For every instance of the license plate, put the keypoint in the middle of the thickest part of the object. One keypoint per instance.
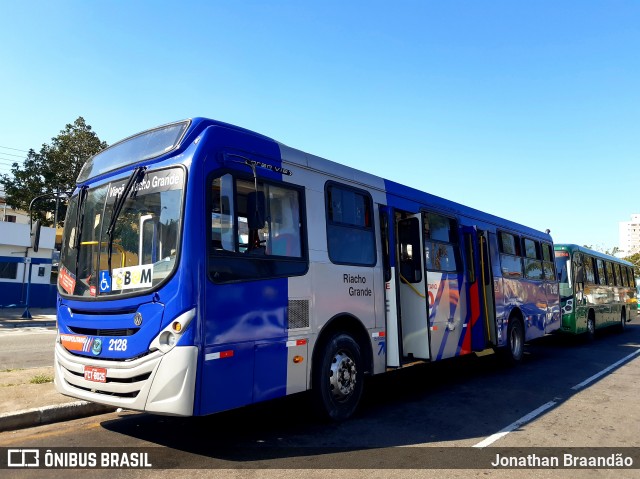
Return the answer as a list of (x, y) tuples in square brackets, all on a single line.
[(98, 375)]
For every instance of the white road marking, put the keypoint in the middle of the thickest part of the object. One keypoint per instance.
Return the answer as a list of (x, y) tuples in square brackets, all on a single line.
[(605, 371), (536, 412), (514, 425)]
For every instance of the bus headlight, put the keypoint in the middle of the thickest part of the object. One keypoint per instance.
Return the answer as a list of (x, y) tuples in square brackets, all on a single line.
[(170, 335)]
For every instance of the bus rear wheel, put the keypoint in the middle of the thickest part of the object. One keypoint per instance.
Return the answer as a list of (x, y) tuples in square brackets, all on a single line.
[(591, 327), (515, 341), (338, 376), (623, 321)]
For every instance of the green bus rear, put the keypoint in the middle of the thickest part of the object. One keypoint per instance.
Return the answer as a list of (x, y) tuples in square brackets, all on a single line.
[(596, 290)]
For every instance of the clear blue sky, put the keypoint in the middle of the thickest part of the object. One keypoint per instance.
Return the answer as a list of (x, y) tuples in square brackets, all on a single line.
[(529, 110)]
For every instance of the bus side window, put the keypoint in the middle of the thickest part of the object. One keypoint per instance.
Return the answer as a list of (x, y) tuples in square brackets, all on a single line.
[(619, 279), (222, 217), (409, 240), (350, 230), (510, 260), (602, 279), (548, 264), (610, 278), (589, 270), (532, 263)]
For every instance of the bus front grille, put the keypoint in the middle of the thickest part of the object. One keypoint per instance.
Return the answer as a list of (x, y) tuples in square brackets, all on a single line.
[(104, 332)]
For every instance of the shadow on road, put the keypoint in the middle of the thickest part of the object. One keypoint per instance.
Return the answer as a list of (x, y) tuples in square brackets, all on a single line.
[(464, 399)]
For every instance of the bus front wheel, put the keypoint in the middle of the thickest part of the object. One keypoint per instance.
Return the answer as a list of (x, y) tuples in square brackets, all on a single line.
[(338, 377)]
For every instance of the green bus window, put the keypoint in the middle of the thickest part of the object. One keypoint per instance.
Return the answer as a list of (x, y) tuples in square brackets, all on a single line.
[(619, 279), (610, 279), (602, 279), (589, 270)]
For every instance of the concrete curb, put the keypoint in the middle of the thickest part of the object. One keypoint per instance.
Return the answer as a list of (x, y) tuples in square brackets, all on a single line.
[(50, 414), (28, 323)]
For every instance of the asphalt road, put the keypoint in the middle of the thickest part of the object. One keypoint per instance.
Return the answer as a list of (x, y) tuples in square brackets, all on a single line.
[(407, 418), (26, 348)]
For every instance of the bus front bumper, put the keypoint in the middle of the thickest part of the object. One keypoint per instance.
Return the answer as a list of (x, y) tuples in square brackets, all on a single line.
[(158, 383)]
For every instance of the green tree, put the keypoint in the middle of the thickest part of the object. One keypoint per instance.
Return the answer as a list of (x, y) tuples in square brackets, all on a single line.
[(54, 168), (635, 259)]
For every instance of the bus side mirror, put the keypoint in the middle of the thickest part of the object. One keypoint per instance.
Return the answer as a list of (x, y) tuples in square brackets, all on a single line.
[(256, 211), (35, 236)]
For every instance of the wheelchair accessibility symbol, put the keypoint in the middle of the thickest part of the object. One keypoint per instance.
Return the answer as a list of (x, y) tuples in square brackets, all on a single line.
[(105, 282)]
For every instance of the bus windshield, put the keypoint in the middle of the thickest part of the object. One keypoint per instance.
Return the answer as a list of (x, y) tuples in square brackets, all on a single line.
[(146, 145), (144, 241), (563, 268)]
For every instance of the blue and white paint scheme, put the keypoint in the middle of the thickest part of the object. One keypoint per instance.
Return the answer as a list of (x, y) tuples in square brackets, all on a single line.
[(238, 317)]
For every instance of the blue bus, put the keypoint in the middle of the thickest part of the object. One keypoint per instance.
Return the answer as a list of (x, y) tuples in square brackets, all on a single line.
[(206, 267)]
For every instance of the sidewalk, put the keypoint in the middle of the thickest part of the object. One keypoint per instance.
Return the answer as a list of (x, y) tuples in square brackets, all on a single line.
[(28, 397)]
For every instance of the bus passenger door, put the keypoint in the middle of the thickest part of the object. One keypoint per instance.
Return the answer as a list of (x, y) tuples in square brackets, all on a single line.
[(487, 293), (392, 314), (412, 289), (476, 336)]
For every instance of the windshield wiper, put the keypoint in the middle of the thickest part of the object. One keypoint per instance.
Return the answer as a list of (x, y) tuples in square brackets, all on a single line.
[(82, 195), (136, 177)]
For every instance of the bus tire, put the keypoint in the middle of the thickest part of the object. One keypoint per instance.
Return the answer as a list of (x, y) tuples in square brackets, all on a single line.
[(591, 327), (514, 349), (338, 378), (623, 321)]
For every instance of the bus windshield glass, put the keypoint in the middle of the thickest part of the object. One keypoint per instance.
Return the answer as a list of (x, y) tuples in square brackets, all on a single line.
[(144, 146), (563, 268), (144, 242)]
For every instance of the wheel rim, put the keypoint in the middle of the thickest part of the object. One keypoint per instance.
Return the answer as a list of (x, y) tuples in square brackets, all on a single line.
[(591, 329), (623, 320), (343, 376), (515, 342)]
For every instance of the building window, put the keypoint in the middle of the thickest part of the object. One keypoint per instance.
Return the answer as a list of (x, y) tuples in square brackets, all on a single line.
[(8, 270)]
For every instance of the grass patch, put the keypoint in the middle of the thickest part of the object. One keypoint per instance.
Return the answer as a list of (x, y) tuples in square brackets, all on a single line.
[(41, 379), (10, 370)]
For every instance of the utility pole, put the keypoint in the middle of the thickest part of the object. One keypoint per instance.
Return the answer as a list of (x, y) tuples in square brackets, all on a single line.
[(55, 216)]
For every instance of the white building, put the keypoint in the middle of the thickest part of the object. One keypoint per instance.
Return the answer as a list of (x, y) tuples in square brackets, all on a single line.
[(15, 257), (630, 235), (10, 215)]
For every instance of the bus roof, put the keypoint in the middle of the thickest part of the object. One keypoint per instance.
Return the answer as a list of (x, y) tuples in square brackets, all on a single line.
[(196, 125), (572, 248)]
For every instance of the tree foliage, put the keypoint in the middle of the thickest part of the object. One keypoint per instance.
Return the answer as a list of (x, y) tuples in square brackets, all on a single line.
[(635, 259), (54, 168)]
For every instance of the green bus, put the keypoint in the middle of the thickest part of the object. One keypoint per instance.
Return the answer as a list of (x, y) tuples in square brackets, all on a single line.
[(596, 290)]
